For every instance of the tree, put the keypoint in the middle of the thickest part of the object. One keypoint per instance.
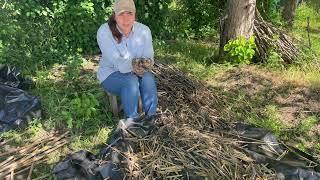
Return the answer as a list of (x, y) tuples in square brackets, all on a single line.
[(289, 11), (243, 19), (238, 21)]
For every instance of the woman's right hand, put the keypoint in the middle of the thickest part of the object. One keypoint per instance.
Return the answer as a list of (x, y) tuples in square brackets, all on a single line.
[(147, 64)]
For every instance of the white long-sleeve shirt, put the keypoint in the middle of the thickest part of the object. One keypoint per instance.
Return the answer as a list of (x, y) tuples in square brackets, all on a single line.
[(118, 57)]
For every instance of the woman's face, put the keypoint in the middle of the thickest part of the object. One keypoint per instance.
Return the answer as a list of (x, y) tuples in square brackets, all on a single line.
[(125, 21)]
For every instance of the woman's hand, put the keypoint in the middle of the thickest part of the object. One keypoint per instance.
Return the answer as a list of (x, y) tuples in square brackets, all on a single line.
[(137, 65), (147, 64)]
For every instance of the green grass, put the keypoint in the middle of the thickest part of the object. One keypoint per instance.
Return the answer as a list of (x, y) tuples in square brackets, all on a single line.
[(196, 58)]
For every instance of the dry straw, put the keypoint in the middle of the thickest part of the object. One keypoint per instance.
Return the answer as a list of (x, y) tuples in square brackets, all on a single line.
[(189, 143)]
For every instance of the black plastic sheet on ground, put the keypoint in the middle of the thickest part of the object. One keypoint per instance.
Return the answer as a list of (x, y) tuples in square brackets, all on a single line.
[(109, 163), (17, 107), (288, 162), (12, 77)]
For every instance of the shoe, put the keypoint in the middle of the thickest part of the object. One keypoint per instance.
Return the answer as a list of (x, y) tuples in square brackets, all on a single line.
[(151, 118)]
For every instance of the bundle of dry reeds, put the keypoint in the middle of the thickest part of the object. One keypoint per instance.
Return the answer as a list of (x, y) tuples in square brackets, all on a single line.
[(19, 161)]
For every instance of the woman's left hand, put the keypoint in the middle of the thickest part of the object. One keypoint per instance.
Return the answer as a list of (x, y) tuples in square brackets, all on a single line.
[(137, 66)]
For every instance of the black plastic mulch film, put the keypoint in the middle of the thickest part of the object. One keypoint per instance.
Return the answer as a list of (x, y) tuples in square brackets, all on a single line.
[(17, 107), (287, 162), (108, 164)]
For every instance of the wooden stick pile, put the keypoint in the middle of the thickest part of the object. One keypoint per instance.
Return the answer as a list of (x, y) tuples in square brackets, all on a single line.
[(19, 162), (269, 37), (188, 144)]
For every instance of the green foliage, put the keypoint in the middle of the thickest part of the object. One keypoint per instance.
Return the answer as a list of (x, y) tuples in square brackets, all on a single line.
[(171, 19), (35, 127), (77, 23), (25, 41), (81, 109), (270, 10), (74, 64), (193, 57), (153, 13), (315, 4), (240, 50), (300, 28), (202, 15), (274, 60), (306, 124), (41, 33), (272, 120), (302, 147)]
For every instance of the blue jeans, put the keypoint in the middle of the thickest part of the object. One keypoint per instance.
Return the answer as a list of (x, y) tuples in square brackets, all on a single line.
[(129, 87)]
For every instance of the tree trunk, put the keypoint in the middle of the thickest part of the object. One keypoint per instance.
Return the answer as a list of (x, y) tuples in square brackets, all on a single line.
[(238, 21), (289, 11)]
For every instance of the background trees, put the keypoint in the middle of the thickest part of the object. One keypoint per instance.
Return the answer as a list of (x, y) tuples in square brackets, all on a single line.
[(289, 10), (47, 32)]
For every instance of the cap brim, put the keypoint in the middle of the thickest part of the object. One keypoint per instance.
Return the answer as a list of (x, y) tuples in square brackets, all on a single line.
[(125, 10)]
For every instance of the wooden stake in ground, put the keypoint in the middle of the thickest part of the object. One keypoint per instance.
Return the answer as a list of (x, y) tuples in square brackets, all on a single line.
[(308, 29)]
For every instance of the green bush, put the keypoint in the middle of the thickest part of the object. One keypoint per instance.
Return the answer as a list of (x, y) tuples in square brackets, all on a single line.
[(77, 23), (240, 50), (81, 109), (41, 33), (153, 13), (203, 16)]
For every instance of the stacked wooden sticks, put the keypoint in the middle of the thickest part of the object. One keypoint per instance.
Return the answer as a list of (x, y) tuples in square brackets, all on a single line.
[(20, 161)]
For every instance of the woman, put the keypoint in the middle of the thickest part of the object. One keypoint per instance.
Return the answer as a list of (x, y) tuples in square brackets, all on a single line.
[(121, 40)]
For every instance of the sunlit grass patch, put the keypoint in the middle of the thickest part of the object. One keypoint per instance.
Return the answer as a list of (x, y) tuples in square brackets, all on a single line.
[(91, 143), (196, 58), (307, 76)]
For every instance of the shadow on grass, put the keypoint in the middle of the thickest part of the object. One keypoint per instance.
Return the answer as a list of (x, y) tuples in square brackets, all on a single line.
[(260, 97)]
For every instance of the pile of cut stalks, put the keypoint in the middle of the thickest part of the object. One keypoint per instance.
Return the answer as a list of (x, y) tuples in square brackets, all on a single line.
[(19, 162), (190, 143)]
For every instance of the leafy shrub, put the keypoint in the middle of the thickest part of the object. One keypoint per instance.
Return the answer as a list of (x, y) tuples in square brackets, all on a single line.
[(41, 33), (81, 109), (203, 15), (77, 23), (153, 13), (240, 50)]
